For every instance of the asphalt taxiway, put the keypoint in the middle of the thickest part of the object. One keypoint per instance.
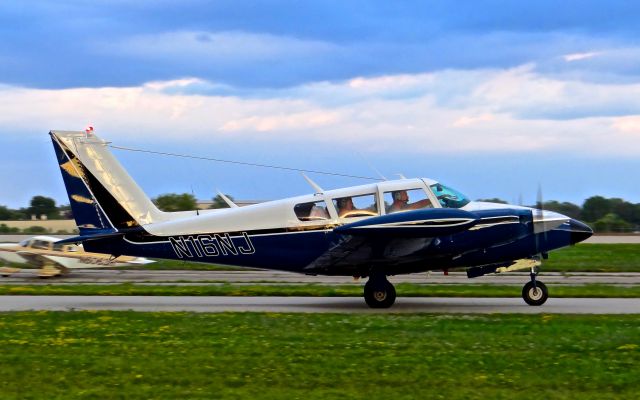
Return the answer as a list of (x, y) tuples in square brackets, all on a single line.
[(316, 304), (190, 277)]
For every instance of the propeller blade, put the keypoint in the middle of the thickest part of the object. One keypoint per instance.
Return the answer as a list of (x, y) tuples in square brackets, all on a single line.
[(539, 216)]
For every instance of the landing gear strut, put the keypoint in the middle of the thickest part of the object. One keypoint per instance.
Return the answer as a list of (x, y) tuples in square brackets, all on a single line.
[(534, 292), (379, 292)]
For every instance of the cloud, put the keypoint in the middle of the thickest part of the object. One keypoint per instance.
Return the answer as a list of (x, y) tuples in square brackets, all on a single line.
[(580, 56), (489, 111), (472, 120), (627, 125), (527, 94)]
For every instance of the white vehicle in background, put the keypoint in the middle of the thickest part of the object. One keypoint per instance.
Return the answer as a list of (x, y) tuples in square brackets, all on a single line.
[(53, 258)]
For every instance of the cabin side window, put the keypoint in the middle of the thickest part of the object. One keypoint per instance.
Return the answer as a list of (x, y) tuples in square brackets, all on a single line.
[(62, 247), (312, 211), (405, 200), (40, 244), (356, 206)]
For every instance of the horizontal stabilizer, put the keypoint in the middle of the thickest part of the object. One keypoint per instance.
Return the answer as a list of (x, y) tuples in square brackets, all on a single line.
[(97, 236), (429, 222)]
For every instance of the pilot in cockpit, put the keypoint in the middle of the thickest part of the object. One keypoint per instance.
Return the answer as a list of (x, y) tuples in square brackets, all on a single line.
[(401, 202)]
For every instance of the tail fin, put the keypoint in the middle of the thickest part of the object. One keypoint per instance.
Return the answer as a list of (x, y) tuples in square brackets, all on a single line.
[(102, 195)]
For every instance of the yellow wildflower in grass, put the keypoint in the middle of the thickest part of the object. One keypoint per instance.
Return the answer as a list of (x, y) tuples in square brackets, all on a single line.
[(21, 289)]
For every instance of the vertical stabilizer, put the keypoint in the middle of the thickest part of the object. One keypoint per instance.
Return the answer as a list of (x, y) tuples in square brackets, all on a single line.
[(103, 196)]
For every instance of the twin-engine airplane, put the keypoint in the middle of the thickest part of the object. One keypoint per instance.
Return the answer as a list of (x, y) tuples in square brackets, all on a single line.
[(375, 230), (53, 258)]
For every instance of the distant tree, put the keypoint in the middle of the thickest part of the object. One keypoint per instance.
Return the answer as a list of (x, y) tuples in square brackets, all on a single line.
[(5, 213), (565, 208), (22, 213), (6, 229), (625, 210), (636, 218), (218, 202), (611, 223), (41, 205), (176, 202), (35, 230), (494, 200), (595, 208)]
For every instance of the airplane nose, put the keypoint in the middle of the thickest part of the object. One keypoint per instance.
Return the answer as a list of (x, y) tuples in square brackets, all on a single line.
[(579, 231)]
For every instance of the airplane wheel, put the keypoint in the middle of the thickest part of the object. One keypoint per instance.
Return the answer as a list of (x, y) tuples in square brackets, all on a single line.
[(379, 294), (537, 296)]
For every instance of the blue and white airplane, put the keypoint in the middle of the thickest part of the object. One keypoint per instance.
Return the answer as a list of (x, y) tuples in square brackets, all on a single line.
[(375, 230)]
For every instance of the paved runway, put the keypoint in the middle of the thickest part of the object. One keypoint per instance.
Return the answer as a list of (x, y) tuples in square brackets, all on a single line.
[(102, 276), (316, 304)]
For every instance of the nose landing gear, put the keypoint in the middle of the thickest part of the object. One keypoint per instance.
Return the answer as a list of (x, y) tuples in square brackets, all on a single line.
[(534, 292), (379, 292)]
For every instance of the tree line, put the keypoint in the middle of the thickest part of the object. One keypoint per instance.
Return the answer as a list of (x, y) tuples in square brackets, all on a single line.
[(602, 214), (40, 206)]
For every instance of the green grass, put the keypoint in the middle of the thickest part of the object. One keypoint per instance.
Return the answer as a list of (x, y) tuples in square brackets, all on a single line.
[(595, 258), (116, 355), (403, 290)]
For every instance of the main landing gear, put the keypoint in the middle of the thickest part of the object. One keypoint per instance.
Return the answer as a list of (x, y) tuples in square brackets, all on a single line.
[(379, 292), (534, 292)]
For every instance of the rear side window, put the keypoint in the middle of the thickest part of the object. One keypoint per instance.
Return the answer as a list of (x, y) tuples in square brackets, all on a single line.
[(40, 244), (356, 206), (313, 211)]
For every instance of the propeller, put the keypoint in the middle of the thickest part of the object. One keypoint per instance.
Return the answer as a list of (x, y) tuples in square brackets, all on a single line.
[(539, 216)]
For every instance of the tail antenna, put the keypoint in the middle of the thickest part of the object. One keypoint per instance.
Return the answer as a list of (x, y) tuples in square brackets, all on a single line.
[(373, 168)]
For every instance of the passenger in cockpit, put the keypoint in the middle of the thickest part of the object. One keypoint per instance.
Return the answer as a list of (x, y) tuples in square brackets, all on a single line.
[(401, 202), (345, 206)]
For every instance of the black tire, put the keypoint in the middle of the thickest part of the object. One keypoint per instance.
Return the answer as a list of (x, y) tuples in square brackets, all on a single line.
[(535, 297), (379, 294)]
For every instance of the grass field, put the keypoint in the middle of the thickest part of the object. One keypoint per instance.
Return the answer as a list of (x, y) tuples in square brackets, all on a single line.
[(403, 290), (582, 257), (595, 258), (115, 355)]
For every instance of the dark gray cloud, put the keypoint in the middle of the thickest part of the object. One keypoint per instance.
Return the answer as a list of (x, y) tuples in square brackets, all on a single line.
[(71, 43)]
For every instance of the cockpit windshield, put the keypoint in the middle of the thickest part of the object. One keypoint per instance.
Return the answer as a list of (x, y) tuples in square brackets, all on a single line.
[(449, 198)]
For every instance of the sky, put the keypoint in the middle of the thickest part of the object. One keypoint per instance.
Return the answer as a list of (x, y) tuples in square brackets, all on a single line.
[(494, 98)]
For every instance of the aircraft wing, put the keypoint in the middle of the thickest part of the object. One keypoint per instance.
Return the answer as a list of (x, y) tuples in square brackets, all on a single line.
[(38, 259), (9, 254), (389, 238)]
